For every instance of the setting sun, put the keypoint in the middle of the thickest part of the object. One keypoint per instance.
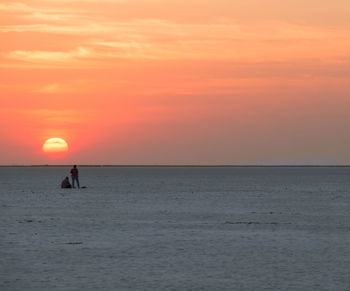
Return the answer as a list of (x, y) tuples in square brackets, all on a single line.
[(55, 145)]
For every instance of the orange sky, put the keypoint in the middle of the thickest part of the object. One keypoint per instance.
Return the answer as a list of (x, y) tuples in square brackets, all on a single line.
[(175, 81)]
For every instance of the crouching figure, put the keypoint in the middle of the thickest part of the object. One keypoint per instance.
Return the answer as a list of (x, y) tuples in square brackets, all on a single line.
[(65, 183)]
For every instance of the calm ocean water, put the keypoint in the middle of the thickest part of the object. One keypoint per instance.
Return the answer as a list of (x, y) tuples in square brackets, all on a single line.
[(175, 228)]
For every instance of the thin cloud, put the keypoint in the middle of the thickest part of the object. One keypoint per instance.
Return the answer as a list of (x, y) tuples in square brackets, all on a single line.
[(50, 56), (51, 17), (54, 115), (15, 7), (51, 88)]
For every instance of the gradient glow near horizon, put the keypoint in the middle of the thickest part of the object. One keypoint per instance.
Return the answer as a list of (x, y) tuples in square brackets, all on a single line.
[(175, 81)]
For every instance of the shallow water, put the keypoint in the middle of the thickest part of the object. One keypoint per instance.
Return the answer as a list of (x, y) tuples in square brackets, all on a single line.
[(175, 228)]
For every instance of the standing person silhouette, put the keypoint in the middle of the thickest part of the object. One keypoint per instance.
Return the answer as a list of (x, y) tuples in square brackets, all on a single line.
[(75, 175)]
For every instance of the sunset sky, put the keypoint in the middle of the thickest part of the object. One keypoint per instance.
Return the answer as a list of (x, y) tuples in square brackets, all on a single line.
[(175, 81)]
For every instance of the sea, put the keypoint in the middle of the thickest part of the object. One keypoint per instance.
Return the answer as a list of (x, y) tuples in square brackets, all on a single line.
[(175, 228)]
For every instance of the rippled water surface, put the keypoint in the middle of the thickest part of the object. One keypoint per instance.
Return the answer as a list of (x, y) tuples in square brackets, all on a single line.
[(175, 228)]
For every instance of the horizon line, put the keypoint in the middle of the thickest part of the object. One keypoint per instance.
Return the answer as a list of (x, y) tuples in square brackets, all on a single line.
[(177, 165)]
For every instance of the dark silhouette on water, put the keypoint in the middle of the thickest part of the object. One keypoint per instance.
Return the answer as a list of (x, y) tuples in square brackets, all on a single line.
[(75, 175), (65, 183)]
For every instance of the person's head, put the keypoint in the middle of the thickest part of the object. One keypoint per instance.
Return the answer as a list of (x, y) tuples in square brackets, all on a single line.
[(67, 178), (74, 166)]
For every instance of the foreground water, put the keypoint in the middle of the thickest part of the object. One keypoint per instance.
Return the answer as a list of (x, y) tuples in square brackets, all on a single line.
[(175, 228)]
